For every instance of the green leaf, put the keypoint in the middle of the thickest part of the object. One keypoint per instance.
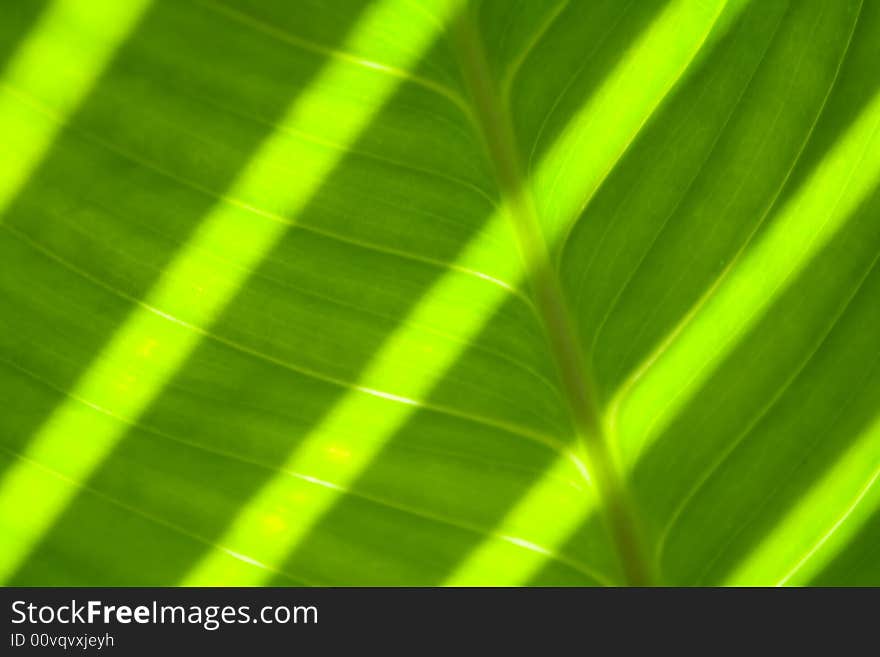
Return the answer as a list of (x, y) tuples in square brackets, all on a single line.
[(398, 292)]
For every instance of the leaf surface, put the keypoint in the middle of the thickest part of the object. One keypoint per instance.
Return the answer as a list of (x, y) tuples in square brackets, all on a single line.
[(415, 293)]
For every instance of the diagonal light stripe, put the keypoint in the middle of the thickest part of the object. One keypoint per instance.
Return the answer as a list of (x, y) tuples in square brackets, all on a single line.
[(680, 32), (83, 35), (161, 332), (591, 141), (547, 515), (285, 509), (853, 168), (527, 518), (797, 232), (818, 518), (814, 223)]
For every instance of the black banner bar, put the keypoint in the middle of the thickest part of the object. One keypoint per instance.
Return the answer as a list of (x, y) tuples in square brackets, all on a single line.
[(286, 621)]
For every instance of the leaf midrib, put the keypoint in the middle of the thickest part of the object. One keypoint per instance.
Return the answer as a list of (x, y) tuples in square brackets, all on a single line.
[(494, 123)]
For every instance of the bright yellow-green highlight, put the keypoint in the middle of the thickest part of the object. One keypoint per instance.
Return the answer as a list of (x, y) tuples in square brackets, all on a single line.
[(261, 545), (80, 36), (165, 327), (653, 395), (548, 515), (248, 219), (817, 521), (351, 435), (84, 35), (593, 143), (598, 134)]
